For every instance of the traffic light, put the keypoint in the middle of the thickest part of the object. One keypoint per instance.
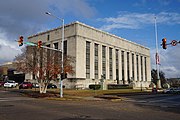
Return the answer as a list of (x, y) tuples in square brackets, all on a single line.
[(20, 41), (164, 46), (39, 43)]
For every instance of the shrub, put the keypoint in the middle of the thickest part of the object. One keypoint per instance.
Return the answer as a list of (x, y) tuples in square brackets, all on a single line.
[(94, 87), (117, 86)]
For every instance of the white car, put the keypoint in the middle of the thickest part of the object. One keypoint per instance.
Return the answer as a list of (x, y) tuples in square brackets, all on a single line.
[(10, 84), (172, 90)]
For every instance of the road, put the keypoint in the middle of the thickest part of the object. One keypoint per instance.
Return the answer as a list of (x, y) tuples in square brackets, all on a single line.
[(165, 102), (14, 106)]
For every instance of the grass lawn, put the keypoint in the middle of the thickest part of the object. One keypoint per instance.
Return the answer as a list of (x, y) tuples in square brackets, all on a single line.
[(86, 93), (74, 93)]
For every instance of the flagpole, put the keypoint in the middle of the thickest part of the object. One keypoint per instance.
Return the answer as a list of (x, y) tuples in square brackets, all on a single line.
[(157, 56)]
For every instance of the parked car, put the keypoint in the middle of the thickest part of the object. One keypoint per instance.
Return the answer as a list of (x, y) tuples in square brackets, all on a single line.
[(51, 86), (2, 83), (172, 90), (10, 84), (25, 85)]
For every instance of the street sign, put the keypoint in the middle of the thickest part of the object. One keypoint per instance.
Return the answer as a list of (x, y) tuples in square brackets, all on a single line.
[(174, 42), (30, 43)]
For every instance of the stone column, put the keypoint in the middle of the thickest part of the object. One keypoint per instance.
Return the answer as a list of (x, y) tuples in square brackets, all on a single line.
[(135, 68), (125, 68), (148, 68), (114, 64), (99, 61), (120, 67)]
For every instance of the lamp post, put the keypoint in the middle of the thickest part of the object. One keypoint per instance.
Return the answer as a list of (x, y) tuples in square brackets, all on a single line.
[(62, 50), (157, 56)]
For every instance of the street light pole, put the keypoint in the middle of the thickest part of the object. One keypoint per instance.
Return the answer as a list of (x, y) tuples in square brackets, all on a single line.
[(157, 56), (62, 51)]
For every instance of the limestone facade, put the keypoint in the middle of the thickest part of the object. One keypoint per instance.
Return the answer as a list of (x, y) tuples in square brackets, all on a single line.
[(100, 55)]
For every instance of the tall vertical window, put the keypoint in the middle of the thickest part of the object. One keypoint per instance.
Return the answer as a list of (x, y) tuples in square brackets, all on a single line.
[(87, 59), (142, 68), (137, 67), (104, 61), (48, 53), (110, 63), (48, 37), (145, 65), (122, 61), (128, 73), (117, 66), (56, 56), (96, 61), (65, 48), (56, 45), (133, 66)]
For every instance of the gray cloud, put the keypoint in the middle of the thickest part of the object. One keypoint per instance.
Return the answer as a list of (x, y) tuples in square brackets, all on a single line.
[(169, 61), (25, 17)]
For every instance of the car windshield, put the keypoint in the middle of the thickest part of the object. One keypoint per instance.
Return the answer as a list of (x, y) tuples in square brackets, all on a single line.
[(9, 81)]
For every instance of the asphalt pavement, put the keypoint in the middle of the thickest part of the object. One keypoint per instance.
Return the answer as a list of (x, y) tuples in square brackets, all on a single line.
[(14, 106)]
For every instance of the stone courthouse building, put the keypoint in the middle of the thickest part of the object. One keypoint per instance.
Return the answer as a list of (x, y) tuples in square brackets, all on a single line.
[(99, 55)]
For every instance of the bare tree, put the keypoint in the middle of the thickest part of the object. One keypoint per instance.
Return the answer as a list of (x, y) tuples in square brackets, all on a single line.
[(44, 64), (154, 76)]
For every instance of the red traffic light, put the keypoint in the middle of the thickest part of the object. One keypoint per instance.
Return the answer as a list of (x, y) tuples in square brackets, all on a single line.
[(39, 43), (20, 41), (164, 46)]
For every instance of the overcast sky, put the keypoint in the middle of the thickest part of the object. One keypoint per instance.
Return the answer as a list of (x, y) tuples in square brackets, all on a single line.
[(129, 19)]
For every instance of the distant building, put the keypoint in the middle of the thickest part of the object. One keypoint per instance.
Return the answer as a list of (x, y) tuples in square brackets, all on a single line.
[(174, 82), (8, 72), (99, 55)]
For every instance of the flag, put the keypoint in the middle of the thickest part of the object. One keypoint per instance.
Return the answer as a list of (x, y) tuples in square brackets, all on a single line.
[(157, 58)]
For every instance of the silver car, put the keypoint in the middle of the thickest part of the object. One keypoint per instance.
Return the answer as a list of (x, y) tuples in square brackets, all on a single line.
[(10, 84), (172, 90)]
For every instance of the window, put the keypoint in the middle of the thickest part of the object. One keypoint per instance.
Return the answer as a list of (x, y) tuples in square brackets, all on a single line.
[(48, 37), (65, 48), (145, 65), (48, 54), (122, 61), (104, 61), (128, 73), (56, 53), (88, 59), (142, 68), (117, 66), (133, 66), (110, 64), (56, 45), (137, 67), (96, 61)]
